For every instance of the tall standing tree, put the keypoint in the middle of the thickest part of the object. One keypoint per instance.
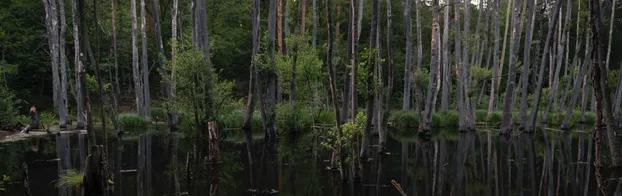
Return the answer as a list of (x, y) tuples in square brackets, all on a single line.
[(354, 60), (315, 21), (389, 92), (445, 61), (138, 87), (272, 80), (522, 116), (78, 66), (418, 91), (145, 63), (604, 114), (303, 17), (430, 102), (506, 123), (116, 88), (63, 107), (51, 24), (462, 124), (503, 48), (408, 20)]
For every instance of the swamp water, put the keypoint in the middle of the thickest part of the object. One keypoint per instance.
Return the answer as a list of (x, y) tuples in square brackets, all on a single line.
[(448, 163)]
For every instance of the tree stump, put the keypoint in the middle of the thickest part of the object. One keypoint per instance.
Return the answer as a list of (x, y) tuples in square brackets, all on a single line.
[(25, 179), (95, 180), (213, 159)]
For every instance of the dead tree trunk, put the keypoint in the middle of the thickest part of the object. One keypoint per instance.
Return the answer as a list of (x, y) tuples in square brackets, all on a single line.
[(138, 88), (522, 116), (77, 64), (531, 124), (354, 61), (506, 123), (418, 91), (408, 20), (462, 124), (503, 48), (63, 107), (446, 73), (51, 24), (389, 94), (371, 63), (430, 103), (604, 116), (145, 63)]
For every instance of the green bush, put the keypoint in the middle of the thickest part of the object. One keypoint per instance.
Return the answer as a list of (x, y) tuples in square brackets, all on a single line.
[(48, 118), (448, 118), (132, 120), (495, 117)]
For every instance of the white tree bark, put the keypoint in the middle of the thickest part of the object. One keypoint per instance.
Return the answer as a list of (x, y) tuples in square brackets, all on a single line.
[(138, 88)]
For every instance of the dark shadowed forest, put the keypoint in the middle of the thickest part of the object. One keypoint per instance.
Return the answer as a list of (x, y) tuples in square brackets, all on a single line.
[(310, 97)]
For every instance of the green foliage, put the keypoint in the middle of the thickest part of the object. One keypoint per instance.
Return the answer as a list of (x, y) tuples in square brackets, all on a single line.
[(48, 118), (350, 132), (70, 179), (480, 73), (5, 179), (132, 120), (405, 119), (495, 117), (10, 106)]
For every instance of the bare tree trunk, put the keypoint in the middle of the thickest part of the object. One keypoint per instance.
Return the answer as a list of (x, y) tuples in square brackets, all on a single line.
[(359, 19), (418, 91), (522, 116), (470, 111), (345, 107), (51, 20), (446, 73), (534, 111), (389, 95), (145, 63), (496, 75), (251, 100), (503, 48), (77, 64), (408, 64), (506, 123), (86, 104), (426, 126), (462, 124), (135, 68), (612, 19), (63, 107), (271, 91), (279, 32), (604, 116)]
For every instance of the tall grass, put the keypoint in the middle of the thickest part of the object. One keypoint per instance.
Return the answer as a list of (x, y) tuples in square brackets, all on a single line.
[(132, 120), (70, 179)]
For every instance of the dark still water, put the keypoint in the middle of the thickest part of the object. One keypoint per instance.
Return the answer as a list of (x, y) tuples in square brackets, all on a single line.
[(449, 163)]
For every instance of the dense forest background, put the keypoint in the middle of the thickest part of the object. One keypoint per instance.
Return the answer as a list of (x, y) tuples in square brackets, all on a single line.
[(27, 72)]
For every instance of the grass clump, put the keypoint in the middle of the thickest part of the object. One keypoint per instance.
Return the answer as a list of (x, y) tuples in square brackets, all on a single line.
[(159, 114), (70, 179), (132, 120), (404, 119)]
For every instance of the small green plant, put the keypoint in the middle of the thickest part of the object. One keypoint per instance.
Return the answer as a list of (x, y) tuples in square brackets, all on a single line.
[(48, 118), (350, 132), (132, 120), (5, 180), (70, 179)]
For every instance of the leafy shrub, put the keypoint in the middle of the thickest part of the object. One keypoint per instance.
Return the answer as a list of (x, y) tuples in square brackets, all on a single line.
[(495, 117), (48, 118), (132, 120), (447, 118)]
